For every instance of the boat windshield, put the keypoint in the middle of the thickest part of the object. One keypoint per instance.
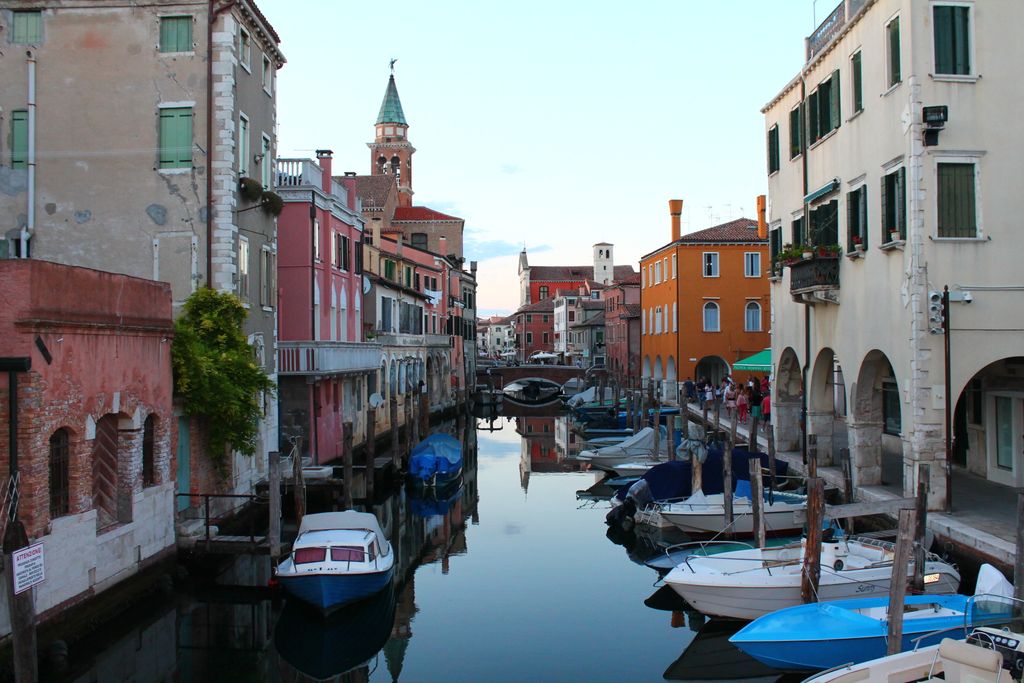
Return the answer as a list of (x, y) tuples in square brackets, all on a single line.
[(307, 555), (348, 553), (997, 611)]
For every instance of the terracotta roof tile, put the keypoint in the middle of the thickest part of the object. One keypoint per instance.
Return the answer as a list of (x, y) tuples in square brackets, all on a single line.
[(574, 273), (543, 306), (739, 230), (373, 189), (632, 310), (421, 213)]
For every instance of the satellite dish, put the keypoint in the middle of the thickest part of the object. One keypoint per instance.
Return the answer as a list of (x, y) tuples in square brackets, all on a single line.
[(366, 285), (376, 400)]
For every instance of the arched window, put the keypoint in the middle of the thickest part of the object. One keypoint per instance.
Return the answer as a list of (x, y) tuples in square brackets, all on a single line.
[(396, 167), (343, 313), (148, 441), (711, 317), (752, 318), (382, 166), (334, 314), (60, 450)]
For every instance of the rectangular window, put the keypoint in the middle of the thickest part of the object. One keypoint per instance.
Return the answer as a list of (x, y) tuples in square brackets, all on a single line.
[(957, 205), (674, 265), (359, 258), (176, 34), (545, 337), (892, 44), (795, 139), (752, 264), (529, 318), (824, 224), (335, 250), (752, 317), (244, 47), (858, 82), (894, 206), (710, 264), (952, 39), (823, 108), (27, 27), (316, 239), (176, 137), (857, 218), (775, 242), (267, 75), (389, 270), (268, 278), (529, 337), (773, 149), (798, 231), (243, 144), (243, 269), (344, 260), (266, 163), (19, 138), (675, 317)]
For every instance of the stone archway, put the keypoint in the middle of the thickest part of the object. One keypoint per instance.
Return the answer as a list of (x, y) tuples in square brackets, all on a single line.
[(823, 406), (712, 368), (874, 458), (787, 401), (671, 391)]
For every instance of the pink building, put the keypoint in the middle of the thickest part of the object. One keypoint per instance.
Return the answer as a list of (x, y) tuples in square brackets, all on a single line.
[(321, 287)]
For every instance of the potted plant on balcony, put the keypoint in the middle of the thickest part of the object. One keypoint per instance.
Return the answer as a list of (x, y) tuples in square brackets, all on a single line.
[(858, 242), (894, 235), (828, 250), (788, 255)]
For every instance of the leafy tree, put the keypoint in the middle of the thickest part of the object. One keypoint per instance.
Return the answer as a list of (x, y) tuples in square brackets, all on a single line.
[(216, 373)]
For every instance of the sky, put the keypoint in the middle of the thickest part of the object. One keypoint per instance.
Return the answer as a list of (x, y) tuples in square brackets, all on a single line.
[(548, 125)]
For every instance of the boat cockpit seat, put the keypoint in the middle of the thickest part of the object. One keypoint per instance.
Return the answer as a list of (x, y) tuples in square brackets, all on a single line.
[(969, 663)]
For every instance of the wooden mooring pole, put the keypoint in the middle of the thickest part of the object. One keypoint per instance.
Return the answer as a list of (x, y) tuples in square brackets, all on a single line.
[(898, 582), (727, 492), (298, 483), (757, 501), (370, 451), (812, 456), (274, 511), (769, 434), (811, 574), (657, 432), (920, 524), (346, 454), (396, 456)]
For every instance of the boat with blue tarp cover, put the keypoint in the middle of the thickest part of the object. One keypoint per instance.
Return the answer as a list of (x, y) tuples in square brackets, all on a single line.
[(338, 558), (436, 460)]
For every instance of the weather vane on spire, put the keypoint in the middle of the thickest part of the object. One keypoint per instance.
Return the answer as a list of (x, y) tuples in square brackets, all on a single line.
[(392, 65)]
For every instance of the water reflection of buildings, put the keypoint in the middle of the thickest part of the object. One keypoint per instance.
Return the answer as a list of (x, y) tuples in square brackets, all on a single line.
[(540, 451)]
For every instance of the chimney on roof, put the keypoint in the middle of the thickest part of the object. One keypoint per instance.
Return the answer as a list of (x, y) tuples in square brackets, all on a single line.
[(762, 226), (324, 158), (350, 174), (675, 209), (442, 245)]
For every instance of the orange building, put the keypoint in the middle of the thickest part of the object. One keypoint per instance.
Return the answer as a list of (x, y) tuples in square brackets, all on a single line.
[(704, 302)]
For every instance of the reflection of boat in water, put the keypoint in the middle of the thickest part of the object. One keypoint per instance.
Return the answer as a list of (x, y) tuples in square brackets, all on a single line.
[(324, 649), (711, 657), (533, 392), (436, 461)]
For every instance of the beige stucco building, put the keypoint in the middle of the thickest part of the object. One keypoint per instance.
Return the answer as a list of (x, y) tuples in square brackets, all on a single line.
[(913, 206), (127, 128)]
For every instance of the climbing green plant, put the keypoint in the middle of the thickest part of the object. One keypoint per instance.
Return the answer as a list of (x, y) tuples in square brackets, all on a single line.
[(216, 373)]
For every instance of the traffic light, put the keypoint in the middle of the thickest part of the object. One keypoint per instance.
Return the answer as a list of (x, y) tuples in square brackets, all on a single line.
[(937, 317)]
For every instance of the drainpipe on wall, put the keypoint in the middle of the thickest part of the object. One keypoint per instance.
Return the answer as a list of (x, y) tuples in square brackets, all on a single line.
[(30, 224), (806, 371)]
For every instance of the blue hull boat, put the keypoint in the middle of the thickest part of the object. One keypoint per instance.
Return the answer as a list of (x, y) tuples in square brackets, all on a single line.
[(828, 634), (436, 461), (329, 592)]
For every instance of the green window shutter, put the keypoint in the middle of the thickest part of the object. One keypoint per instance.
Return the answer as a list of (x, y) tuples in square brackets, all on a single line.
[(862, 218), (27, 27), (794, 133), (901, 202), (858, 85), (943, 22), (812, 118), (837, 110), (176, 34), (19, 138), (886, 208), (176, 137), (773, 149), (961, 40), (824, 109), (895, 74), (956, 201), (798, 231)]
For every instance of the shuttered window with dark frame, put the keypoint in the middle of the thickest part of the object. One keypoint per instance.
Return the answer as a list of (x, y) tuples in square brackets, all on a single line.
[(19, 138), (952, 39), (176, 137), (824, 109), (775, 243), (857, 77), (773, 149), (795, 139), (894, 206), (857, 218), (957, 205), (824, 224), (798, 231), (892, 30)]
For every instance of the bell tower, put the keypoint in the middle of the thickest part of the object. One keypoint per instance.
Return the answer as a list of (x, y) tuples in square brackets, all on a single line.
[(390, 152)]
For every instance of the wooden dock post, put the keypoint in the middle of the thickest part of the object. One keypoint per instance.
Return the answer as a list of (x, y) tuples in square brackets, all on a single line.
[(424, 413), (757, 501), (898, 583), (274, 511), (812, 456), (629, 408), (1018, 560), (370, 451), (414, 421), (769, 434), (811, 574), (718, 422), (752, 436), (704, 416), (657, 432), (298, 483), (727, 492), (670, 444), (346, 455), (396, 456), (920, 524), (696, 466)]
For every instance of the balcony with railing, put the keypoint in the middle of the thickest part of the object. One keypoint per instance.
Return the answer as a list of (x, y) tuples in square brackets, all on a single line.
[(815, 279), (327, 357), (294, 174), (832, 26)]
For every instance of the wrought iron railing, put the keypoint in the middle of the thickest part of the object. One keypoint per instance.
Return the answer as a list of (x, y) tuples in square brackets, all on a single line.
[(819, 272)]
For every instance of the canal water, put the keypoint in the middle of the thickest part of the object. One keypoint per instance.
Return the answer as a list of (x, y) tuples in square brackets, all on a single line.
[(511, 577)]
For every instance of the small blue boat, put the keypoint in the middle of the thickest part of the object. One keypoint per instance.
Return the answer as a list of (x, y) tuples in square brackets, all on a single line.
[(828, 634), (337, 559), (436, 461)]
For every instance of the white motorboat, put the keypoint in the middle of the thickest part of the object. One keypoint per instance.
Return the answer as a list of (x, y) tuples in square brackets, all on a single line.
[(745, 584), (640, 446), (988, 654), (700, 514)]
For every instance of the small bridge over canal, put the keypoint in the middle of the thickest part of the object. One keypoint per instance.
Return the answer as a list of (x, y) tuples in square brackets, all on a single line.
[(503, 375)]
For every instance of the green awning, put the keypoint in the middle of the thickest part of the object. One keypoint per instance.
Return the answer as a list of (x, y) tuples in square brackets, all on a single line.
[(759, 362)]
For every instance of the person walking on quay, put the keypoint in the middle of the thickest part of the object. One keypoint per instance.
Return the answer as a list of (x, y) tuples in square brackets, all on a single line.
[(730, 400), (742, 404), (755, 399)]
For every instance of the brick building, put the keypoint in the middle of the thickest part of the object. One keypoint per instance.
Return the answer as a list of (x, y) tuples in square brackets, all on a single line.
[(622, 331), (542, 282), (96, 426), (534, 328)]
